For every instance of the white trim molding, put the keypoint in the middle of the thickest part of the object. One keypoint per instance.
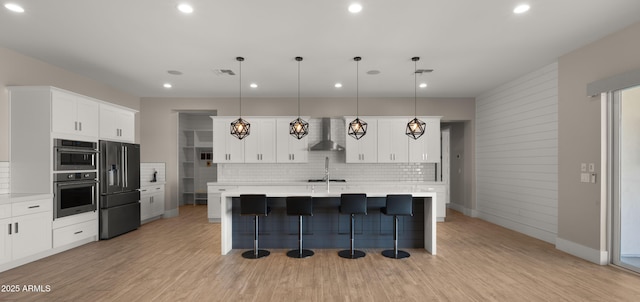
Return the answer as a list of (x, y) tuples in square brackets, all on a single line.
[(581, 251)]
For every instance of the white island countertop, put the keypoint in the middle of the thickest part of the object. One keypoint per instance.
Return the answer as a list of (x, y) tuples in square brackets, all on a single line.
[(227, 217)]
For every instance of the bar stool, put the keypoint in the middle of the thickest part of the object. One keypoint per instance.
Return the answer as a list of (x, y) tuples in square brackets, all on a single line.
[(397, 205), (254, 205), (353, 204), (299, 206)]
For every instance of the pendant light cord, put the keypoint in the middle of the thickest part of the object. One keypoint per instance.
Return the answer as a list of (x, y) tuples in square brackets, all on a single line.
[(299, 87), (357, 86), (240, 86), (415, 89)]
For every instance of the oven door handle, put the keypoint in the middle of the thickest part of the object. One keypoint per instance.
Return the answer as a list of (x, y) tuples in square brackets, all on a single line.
[(75, 183), (72, 150)]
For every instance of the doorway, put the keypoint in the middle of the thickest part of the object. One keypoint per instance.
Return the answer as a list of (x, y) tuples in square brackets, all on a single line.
[(625, 146)]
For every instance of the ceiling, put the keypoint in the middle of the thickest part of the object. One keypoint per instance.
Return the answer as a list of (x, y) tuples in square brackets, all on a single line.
[(473, 46)]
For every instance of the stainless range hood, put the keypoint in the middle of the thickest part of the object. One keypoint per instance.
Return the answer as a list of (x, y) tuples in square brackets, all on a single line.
[(326, 144)]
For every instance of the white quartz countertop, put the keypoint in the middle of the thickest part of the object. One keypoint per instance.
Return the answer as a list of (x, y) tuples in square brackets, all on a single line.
[(320, 184), (19, 197)]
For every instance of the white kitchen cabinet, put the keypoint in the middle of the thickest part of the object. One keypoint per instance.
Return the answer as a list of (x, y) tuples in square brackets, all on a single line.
[(151, 202), (74, 233), (214, 209), (289, 148), (227, 148), (260, 145), (426, 149), (28, 231), (73, 114), (393, 143), (364, 150), (116, 123)]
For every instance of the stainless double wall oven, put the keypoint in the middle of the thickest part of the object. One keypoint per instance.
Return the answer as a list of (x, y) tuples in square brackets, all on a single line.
[(75, 181)]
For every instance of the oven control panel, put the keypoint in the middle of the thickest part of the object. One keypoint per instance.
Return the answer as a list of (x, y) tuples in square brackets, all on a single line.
[(75, 176)]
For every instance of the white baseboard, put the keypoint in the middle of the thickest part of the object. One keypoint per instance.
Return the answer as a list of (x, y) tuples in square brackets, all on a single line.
[(460, 208), (215, 220), (18, 262), (581, 251), (519, 227)]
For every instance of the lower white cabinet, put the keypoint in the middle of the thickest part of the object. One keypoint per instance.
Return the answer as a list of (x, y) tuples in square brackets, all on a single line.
[(151, 202), (27, 231), (74, 233)]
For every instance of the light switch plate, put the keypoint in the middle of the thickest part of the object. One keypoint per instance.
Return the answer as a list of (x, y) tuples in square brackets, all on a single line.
[(592, 167), (585, 177), (583, 167)]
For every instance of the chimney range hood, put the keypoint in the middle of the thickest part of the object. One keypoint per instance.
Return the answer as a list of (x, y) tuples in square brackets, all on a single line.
[(326, 144)]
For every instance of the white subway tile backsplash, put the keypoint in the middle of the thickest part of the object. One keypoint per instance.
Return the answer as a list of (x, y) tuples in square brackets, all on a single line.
[(147, 170), (5, 178)]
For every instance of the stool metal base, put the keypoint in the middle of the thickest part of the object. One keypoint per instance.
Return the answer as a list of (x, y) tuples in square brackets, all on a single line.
[(392, 254), (252, 255), (296, 253), (347, 254)]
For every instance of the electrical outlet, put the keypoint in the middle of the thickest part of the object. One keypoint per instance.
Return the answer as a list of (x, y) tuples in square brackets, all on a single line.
[(583, 167), (584, 177), (592, 167)]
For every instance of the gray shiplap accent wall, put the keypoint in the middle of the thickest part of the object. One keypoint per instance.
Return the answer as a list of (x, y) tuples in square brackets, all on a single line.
[(517, 154)]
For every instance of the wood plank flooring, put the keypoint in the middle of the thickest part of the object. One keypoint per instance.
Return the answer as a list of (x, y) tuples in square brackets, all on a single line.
[(178, 259)]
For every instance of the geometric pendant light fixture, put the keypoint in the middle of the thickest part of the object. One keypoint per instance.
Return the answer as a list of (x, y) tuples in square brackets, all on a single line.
[(240, 128), (357, 128), (299, 128), (415, 127)]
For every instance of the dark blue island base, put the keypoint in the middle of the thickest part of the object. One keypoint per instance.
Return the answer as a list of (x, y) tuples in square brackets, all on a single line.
[(327, 228)]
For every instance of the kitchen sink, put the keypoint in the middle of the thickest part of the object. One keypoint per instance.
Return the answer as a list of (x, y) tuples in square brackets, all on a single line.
[(324, 180)]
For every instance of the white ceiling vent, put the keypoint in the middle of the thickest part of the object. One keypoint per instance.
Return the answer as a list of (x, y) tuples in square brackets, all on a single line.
[(224, 72)]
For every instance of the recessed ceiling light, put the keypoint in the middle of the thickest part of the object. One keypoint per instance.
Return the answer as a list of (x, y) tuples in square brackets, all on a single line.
[(422, 85), (14, 7), (521, 9), (253, 85), (185, 8), (167, 85), (174, 72), (355, 8), (338, 85)]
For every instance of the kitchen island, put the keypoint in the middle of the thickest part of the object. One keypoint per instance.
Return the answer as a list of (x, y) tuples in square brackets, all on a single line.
[(274, 193)]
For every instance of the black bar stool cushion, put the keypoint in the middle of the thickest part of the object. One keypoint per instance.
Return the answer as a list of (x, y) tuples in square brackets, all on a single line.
[(254, 204), (353, 203), (299, 206), (399, 205)]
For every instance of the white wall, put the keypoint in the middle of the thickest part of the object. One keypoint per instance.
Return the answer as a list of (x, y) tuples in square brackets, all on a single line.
[(517, 154), (630, 173)]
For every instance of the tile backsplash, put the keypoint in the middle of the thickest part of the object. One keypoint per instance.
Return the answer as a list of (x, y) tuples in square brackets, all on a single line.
[(5, 178), (146, 173), (338, 169)]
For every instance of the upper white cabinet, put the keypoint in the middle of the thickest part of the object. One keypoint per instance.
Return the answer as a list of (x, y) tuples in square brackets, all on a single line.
[(73, 114), (393, 143), (260, 145), (226, 148), (426, 149), (116, 123), (365, 149), (290, 149)]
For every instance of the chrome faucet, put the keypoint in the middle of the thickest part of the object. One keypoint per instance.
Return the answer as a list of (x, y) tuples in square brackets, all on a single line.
[(326, 171)]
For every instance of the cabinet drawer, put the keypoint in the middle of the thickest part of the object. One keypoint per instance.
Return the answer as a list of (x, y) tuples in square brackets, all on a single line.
[(30, 207), (5, 211), (73, 233)]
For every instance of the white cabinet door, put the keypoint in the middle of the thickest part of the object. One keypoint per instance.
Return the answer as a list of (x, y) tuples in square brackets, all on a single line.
[(116, 124), (393, 144), (5, 240), (364, 150), (145, 204), (226, 148), (260, 145), (289, 148), (88, 115), (73, 114), (63, 113), (31, 234), (426, 149), (157, 202)]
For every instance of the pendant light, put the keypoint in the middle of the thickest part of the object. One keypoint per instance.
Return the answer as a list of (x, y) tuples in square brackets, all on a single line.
[(299, 128), (357, 127), (240, 127), (415, 127)]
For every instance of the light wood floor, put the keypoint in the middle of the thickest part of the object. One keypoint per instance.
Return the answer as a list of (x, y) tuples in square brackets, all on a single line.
[(178, 259)]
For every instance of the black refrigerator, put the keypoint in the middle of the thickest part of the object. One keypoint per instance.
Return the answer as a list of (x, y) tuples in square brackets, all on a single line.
[(119, 188)]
